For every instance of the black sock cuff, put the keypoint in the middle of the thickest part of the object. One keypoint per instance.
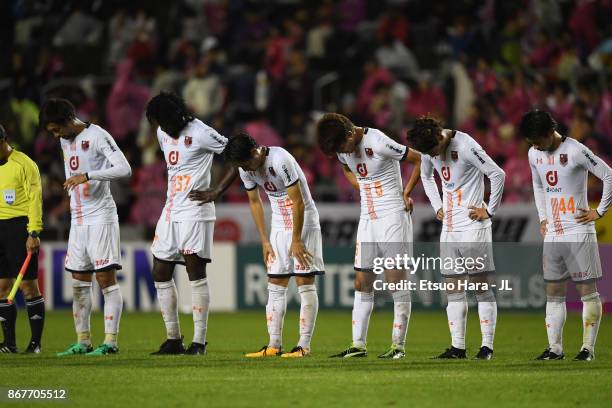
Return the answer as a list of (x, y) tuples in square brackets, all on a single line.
[(4, 303), (35, 301)]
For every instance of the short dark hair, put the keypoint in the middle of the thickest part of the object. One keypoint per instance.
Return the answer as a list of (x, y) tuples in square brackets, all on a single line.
[(423, 136), (3, 135), (536, 124), (238, 148), (332, 131), (56, 110), (170, 112)]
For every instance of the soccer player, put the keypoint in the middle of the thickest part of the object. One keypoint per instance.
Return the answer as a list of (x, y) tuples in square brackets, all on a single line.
[(294, 247), (559, 169), (91, 160), (184, 232), (466, 223), (371, 163), (20, 223)]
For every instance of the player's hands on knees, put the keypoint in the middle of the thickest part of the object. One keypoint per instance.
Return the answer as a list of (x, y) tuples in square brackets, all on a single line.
[(32, 244), (268, 253), (299, 252), (440, 215), (408, 202), (543, 227), (478, 213), (587, 215), (204, 196), (74, 181)]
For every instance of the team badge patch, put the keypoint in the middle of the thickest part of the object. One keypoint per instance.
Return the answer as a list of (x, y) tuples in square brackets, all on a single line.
[(272, 172), (188, 141), (454, 155), (563, 159), (85, 145), (369, 152), (10, 196)]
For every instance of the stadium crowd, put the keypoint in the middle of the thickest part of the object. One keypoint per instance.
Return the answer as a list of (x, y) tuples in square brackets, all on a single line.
[(271, 67)]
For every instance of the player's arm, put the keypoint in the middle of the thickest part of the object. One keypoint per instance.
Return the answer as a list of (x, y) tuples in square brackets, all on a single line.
[(602, 171), (33, 187), (350, 176), (412, 157), (257, 212), (430, 186), (481, 160), (298, 249), (120, 167), (540, 197)]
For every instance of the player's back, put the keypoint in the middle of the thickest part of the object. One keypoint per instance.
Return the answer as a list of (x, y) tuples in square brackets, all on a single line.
[(189, 161), (375, 164)]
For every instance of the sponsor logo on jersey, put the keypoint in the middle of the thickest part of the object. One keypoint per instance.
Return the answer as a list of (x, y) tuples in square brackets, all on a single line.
[(554, 189), (552, 178), (218, 139), (268, 185), (173, 157), (272, 172), (286, 170), (446, 173), (395, 149), (480, 159), (589, 158), (10, 196), (362, 169), (188, 141), (85, 145), (110, 145), (563, 159), (73, 162), (369, 152), (454, 155)]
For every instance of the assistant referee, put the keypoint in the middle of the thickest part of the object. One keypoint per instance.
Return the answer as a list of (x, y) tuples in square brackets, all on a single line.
[(20, 224)]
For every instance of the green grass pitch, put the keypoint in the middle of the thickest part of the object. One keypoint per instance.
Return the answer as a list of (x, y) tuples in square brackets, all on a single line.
[(225, 378)]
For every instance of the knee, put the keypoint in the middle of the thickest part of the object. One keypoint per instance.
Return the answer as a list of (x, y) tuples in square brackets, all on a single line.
[(162, 272), (106, 279), (30, 289), (485, 296), (5, 287)]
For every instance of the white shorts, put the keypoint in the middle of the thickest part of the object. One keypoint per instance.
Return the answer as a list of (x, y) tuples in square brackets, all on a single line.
[(468, 252), (384, 237), (93, 248), (573, 256), (284, 265), (177, 238)]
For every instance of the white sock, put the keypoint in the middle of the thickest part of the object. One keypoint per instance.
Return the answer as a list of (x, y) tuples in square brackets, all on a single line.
[(487, 312), (167, 297), (275, 314), (113, 306), (309, 306), (362, 309), (401, 317), (555, 320), (81, 310), (456, 310), (591, 318), (200, 299)]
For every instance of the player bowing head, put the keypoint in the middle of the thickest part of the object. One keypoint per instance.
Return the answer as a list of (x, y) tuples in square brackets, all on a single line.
[(466, 226), (91, 160), (371, 163), (294, 245), (559, 171), (184, 232)]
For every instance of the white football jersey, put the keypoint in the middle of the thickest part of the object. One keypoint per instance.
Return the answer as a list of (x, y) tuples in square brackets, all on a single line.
[(462, 172), (280, 171), (560, 185), (93, 151), (189, 160), (377, 169)]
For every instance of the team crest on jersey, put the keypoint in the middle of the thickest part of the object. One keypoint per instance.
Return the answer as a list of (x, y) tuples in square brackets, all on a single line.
[(85, 145), (188, 141), (272, 172), (454, 155), (563, 159), (369, 152)]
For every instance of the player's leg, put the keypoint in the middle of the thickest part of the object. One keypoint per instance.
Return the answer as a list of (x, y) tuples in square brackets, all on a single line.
[(279, 272), (487, 313), (113, 307), (35, 305), (200, 302), (8, 314), (165, 256)]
